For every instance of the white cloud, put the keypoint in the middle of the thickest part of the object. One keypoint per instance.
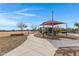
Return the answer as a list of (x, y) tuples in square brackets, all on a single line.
[(26, 14), (12, 15), (29, 9), (21, 12), (7, 22)]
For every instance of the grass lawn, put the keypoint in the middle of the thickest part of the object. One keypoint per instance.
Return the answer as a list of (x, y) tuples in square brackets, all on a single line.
[(2, 34)]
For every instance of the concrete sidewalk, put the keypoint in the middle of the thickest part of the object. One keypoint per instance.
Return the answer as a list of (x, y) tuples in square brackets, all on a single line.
[(33, 46)]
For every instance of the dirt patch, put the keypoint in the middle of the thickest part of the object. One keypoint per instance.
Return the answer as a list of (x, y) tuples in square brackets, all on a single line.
[(10, 42)]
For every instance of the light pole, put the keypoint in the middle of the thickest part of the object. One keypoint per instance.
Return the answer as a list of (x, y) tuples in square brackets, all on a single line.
[(52, 24)]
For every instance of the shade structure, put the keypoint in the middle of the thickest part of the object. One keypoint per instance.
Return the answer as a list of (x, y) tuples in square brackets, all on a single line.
[(52, 23)]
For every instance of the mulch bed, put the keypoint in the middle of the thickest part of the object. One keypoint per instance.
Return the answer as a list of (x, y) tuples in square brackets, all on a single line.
[(57, 37), (67, 51), (17, 34)]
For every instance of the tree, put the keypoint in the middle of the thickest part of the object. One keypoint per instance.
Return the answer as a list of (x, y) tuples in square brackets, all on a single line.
[(58, 29), (21, 25), (77, 25), (34, 27)]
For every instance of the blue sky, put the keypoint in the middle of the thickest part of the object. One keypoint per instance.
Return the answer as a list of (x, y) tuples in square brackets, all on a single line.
[(30, 13)]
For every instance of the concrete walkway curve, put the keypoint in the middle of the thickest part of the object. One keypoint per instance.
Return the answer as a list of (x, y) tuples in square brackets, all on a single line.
[(33, 46)]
